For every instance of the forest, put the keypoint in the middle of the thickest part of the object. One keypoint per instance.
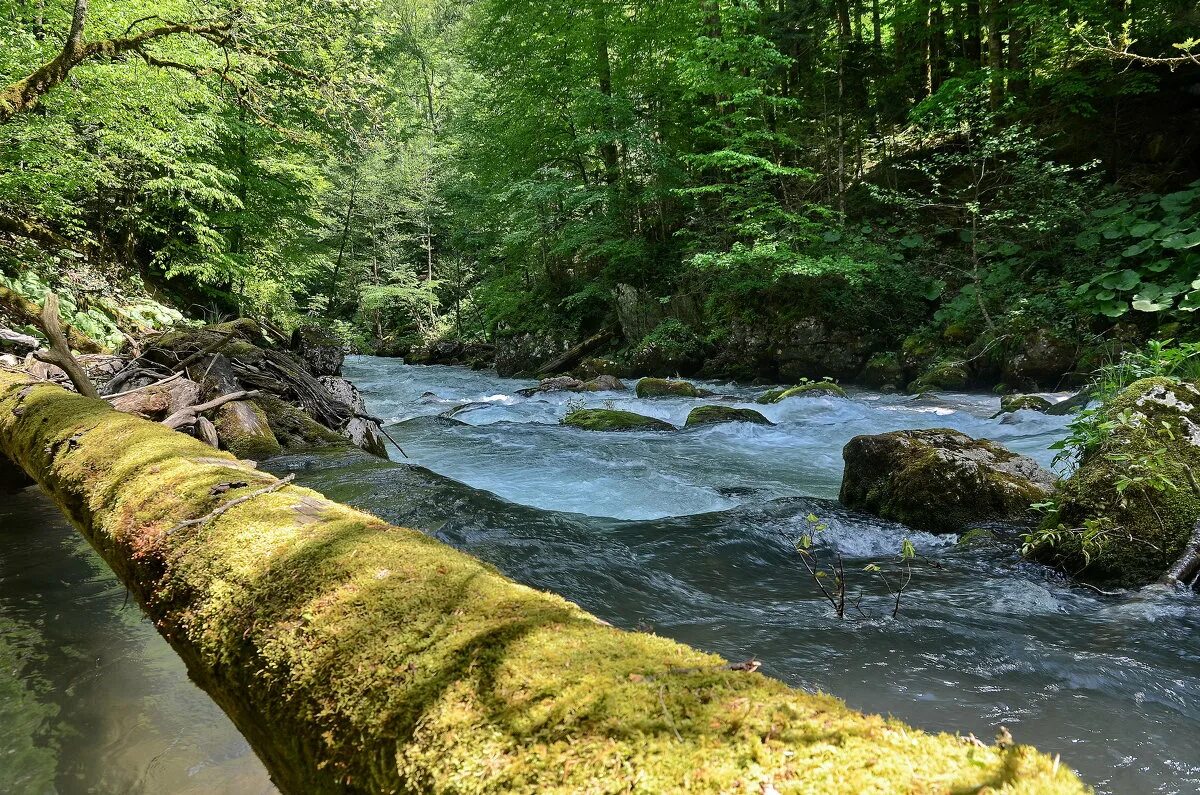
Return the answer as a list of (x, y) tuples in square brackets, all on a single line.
[(905, 292), (974, 180)]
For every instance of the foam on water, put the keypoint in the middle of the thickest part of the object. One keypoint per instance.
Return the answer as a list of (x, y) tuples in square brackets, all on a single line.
[(645, 475)]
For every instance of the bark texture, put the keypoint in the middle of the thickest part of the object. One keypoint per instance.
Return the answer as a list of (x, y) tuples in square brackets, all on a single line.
[(361, 657)]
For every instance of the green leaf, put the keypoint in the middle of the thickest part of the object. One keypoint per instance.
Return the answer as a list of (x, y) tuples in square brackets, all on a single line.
[(1124, 280)]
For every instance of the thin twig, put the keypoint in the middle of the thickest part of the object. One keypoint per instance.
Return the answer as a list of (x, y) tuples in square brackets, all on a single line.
[(231, 504)]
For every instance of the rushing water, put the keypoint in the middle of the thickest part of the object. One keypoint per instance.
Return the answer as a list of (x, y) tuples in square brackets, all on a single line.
[(688, 534)]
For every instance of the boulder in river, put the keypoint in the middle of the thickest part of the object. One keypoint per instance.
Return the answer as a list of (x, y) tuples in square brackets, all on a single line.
[(663, 387), (1128, 512), (712, 415), (808, 389), (614, 420), (1012, 403), (940, 480), (560, 384)]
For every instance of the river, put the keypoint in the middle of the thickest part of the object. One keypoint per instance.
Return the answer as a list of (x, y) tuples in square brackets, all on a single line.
[(688, 534)]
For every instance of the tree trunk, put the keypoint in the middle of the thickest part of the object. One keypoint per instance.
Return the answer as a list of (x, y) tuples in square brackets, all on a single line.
[(608, 148), (996, 52), (359, 657), (974, 45)]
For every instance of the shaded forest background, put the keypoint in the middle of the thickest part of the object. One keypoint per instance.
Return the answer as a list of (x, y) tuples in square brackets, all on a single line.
[(959, 192)]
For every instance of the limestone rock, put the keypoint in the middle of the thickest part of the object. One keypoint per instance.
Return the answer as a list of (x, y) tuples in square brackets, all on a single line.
[(940, 480)]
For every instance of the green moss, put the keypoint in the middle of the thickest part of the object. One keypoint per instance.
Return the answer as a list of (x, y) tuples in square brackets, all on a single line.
[(939, 479), (359, 657), (1143, 530), (710, 415), (770, 395), (976, 538), (663, 387), (613, 420), (293, 428), (882, 369), (246, 438), (946, 375), (1011, 403)]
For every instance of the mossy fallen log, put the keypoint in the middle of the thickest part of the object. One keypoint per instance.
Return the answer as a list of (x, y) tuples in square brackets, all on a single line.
[(360, 657)]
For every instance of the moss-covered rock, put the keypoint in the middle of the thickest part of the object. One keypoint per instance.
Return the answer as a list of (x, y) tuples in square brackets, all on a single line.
[(976, 538), (293, 428), (882, 369), (711, 415), (1012, 403), (1135, 493), (940, 479), (665, 387), (614, 420), (243, 429), (947, 375), (322, 350), (360, 657), (810, 389)]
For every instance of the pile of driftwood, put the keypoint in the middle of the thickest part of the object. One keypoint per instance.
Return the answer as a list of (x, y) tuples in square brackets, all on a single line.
[(231, 384)]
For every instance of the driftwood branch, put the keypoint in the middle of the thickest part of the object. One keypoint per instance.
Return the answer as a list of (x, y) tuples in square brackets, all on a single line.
[(185, 418), (60, 354)]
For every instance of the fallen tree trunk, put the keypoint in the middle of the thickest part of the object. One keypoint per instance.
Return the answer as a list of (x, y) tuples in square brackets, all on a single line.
[(360, 657)]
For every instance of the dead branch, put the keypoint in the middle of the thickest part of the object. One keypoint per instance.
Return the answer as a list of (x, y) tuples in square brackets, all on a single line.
[(226, 336), (141, 388), (185, 418), (60, 354)]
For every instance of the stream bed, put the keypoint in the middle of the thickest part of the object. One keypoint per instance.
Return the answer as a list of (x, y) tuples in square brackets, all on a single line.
[(688, 534)]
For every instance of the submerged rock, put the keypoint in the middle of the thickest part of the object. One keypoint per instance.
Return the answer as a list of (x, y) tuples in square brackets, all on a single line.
[(613, 420), (560, 384), (940, 480), (605, 383), (711, 415), (662, 387), (1126, 514)]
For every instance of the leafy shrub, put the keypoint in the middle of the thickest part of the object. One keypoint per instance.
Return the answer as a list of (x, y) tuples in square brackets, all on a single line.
[(1151, 251)]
